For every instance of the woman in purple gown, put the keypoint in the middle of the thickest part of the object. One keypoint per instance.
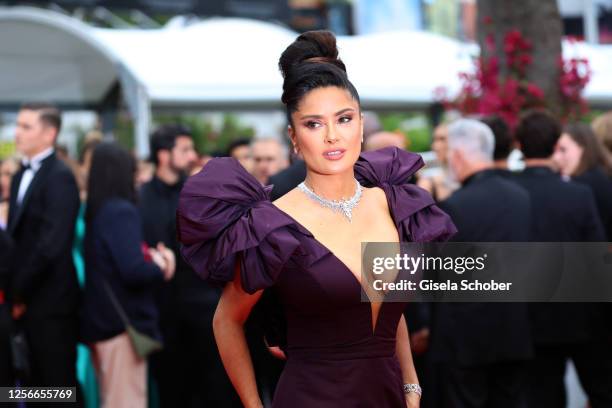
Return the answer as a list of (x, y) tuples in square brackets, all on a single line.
[(341, 352)]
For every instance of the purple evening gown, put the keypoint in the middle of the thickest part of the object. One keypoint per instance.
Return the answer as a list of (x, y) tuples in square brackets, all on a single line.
[(334, 359)]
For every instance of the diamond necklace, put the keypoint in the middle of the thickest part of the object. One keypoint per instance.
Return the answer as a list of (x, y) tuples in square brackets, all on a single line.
[(342, 205)]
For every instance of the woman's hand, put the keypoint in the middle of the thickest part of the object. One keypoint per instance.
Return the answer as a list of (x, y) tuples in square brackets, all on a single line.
[(419, 341), (413, 400), (18, 310), (169, 260), (158, 259), (277, 352)]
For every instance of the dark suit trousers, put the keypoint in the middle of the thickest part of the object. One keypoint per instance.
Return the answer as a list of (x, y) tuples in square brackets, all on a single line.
[(53, 352), (6, 366), (593, 363), (189, 372), (497, 385)]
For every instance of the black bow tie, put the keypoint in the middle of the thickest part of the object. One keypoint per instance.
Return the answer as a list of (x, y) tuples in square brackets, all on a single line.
[(25, 166)]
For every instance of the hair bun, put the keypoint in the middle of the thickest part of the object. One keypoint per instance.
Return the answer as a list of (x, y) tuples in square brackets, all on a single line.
[(311, 47), (311, 62)]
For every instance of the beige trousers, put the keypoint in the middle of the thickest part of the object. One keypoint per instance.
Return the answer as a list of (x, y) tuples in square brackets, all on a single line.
[(122, 375)]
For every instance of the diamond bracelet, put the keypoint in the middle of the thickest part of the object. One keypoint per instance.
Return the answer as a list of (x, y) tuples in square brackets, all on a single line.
[(416, 388)]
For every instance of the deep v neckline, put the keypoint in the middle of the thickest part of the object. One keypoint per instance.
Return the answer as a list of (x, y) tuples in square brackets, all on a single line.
[(373, 322)]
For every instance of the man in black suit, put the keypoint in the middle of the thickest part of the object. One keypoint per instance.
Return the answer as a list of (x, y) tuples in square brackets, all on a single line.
[(481, 349), (504, 143), (6, 369), (43, 287), (188, 371), (562, 212)]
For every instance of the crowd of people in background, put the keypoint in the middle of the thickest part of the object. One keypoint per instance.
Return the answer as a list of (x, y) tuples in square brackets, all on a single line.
[(89, 253)]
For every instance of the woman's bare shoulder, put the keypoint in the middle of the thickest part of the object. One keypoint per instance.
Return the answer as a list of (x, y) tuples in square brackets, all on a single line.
[(377, 196), (287, 201)]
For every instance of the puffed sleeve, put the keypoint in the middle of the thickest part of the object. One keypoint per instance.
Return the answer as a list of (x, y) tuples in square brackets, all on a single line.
[(417, 217), (225, 215)]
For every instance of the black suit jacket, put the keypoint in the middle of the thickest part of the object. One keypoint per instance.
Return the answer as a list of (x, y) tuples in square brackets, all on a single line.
[(601, 185), (6, 247), (42, 272), (287, 179), (563, 211), (157, 205), (487, 208), (6, 371), (113, 254)]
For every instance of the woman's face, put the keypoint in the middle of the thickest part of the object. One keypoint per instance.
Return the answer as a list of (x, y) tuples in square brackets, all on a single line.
[(439, 143), (327, 130), (567, 155)]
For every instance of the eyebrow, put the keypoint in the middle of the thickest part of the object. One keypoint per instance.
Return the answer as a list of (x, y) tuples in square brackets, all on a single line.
[(340, 112)]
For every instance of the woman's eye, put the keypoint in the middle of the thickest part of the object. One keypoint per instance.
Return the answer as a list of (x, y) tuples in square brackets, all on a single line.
[(312, 125), (345, 119)]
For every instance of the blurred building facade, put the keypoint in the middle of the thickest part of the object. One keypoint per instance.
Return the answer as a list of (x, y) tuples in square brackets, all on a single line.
[(589, 20), (450, 19)]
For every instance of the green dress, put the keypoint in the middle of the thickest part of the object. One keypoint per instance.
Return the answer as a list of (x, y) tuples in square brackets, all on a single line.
[(86, 373)]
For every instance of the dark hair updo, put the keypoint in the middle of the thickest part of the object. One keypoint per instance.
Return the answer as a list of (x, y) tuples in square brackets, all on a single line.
[(312, 62)]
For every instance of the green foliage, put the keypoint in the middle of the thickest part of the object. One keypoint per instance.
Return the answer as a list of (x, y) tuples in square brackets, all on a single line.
[(231, 130), (590, 116), (7, 148), (415, 126), (124, 131), (209, 138)]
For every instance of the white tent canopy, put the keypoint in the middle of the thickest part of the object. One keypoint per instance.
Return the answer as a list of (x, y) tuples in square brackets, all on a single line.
[(599, 90), (46, 55), (233, 62), (219, 63), (49, 56), (222, 64)]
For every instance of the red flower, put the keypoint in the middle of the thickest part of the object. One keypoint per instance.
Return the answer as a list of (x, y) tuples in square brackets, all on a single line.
[(535, 91), (487, 91), (490, 42), (525, 60)]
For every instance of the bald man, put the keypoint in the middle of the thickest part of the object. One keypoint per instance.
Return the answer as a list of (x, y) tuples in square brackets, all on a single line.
[(379, 140)]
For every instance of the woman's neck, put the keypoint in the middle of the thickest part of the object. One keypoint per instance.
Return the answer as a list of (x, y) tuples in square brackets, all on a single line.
[(332, 187)]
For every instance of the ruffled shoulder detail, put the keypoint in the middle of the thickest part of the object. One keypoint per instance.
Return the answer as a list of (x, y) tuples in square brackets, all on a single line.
[(225, 215), (416, 216)]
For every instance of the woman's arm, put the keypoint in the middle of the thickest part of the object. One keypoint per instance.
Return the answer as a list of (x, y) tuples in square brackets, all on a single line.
[(232, 311), (404, 355), (121, 232)]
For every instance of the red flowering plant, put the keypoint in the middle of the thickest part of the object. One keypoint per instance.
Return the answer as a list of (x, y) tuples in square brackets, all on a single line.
[(575, 75), (489, 91)]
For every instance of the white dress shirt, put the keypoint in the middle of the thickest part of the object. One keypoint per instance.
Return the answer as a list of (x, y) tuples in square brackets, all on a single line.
[(34, 163)]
